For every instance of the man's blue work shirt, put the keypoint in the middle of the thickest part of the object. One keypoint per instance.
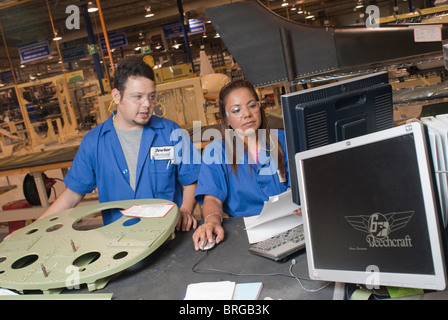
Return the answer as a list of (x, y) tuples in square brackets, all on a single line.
[(100, 163), (243, 194)]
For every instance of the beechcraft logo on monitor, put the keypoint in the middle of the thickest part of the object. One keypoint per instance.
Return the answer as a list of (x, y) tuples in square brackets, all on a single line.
[(379, 228)]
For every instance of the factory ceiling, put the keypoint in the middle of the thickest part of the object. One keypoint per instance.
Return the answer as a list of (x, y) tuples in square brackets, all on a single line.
[(25, 21)]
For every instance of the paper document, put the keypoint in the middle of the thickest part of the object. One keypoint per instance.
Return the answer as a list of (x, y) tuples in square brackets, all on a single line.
[(148, 210), (220, 290), (223, 290), (6, 292), (276, 217), (247, 291)]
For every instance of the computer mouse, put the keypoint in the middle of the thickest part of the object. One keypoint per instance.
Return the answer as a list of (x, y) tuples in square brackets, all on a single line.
[(207, 246)]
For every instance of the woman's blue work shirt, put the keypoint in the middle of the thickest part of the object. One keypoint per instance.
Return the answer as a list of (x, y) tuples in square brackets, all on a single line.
[(100, 163), (244, 194)]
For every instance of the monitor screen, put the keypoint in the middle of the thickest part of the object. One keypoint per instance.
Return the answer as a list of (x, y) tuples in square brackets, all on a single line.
[(371, 212), (335, 112)]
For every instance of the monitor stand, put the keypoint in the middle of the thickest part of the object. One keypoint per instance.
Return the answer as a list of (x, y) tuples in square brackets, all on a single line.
[(339, 291)]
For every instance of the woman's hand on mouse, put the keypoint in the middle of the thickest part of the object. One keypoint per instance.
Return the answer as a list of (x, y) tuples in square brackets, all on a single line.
[(206, 233)]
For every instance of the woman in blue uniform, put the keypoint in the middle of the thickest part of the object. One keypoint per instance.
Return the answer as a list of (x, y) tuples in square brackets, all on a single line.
[(134, 154), (245, 168)]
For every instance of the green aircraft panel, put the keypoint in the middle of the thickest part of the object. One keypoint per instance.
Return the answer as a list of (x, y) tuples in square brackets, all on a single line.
[(50, 254)]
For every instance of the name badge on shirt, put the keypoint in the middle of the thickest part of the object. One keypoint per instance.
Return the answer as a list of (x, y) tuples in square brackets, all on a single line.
[(162, 153)]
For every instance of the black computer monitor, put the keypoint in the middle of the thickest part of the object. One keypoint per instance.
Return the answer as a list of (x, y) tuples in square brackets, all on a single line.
[(334, 112), (370, 211)]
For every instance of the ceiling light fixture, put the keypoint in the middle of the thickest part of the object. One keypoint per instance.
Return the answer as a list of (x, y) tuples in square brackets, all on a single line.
[(91, 7), (56, 36), (149, 13), (176, 45), (285, 4), (309, 16)]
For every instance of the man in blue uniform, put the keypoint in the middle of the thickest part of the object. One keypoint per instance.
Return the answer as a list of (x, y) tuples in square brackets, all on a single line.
[(134, 154)]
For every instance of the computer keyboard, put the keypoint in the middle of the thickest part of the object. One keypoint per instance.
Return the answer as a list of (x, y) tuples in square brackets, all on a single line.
[(281, 245)]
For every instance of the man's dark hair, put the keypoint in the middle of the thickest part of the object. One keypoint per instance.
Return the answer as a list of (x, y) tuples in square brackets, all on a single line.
[(131, 67)]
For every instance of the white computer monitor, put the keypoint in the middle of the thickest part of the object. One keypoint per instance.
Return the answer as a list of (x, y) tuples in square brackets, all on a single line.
[(371, 211)]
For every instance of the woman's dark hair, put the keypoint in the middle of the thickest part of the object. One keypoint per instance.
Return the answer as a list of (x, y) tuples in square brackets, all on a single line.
[(131, 67), (224, 93)]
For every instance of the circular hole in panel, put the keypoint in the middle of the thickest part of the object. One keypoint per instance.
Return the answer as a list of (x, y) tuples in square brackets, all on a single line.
[(2, 271), (120, 255), (54, 227), (54, 218), (131, 222), (25, 261), (32, 231), (86, 259), (2, 259), (90, 222)]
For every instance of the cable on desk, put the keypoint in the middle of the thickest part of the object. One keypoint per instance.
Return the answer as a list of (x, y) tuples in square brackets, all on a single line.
[(293, 262), (195, 269), (198, 270)]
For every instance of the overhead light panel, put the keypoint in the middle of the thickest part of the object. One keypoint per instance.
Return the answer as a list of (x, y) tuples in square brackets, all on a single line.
[(309, 16), (91, 7), (149, 13), (57, 37), (285, 4)]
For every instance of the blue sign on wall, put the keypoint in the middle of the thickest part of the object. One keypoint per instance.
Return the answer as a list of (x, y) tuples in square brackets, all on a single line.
[(116, 40), (174, 29), (196, 26), (73, 53), (6, 77), (33, 51)]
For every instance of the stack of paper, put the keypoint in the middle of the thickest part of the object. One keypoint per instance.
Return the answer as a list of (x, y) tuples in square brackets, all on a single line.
[(6, 292), (276, 217), (247, 291), (148, 210), (223, 290)]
